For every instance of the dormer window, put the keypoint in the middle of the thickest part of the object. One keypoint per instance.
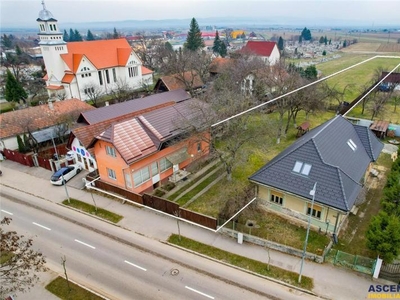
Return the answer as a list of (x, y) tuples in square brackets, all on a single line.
[(352, 145), (302, 168)]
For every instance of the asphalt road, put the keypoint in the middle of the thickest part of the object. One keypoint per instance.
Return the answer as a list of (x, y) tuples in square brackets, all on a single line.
[(123, 265)]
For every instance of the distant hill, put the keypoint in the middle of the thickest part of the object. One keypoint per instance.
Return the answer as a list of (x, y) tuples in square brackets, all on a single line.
[(182, 24)]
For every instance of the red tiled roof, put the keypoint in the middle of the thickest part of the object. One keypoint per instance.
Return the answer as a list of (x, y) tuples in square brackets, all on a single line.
[(139, 136), (146, 71), (130, 139), (102, 53), (219, 64), (68, 78), (261, 48), (86, 134), (39, 117), (55, 87), (174, 82)]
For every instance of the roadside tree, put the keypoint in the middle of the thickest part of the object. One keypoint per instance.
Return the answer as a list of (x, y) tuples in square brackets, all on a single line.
[(19, 262)]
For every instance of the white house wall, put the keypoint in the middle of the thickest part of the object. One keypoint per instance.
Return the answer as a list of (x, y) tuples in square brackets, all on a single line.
[(83, 157), (275, 56)]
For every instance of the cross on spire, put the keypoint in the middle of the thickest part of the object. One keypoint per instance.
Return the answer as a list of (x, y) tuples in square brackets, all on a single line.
[(44, 5)]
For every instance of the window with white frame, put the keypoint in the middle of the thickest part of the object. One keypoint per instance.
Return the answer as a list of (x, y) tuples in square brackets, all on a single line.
[(111, 174), (114, 75), (141, 176), (165, 164), (154, 169), (133, 71), (111, 151), (276, 197)]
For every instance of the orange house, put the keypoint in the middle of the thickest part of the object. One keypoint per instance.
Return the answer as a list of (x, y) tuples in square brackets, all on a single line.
[(140, 153)]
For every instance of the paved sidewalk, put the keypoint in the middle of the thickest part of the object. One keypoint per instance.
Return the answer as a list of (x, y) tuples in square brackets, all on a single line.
[(330, 282)]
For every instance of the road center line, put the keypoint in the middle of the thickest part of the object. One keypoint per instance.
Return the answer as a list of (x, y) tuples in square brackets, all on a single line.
[(87, 245), (7, 212), (136, 266), (47, 228), (198, 292)]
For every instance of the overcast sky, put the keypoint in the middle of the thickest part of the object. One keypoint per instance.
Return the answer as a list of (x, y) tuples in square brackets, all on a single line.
[(337, 12)]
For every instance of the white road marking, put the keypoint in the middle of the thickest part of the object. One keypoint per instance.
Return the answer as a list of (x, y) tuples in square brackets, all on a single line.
[(7, 212), (198, 292), (47, 228), (136, 266), (87, 245)]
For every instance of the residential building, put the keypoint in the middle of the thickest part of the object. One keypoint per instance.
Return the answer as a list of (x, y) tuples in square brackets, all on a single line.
[(93, 124), (267, 51), (338, 156), (140, 153), (42, 121), (76, 69)]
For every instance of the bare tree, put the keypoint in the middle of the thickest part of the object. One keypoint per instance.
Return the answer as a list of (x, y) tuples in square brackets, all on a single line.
[(378, 102), (122, 91), (19, 262), (93, 92)]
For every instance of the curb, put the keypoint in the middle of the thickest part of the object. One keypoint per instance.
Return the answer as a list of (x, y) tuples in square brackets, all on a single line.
[(247, 271)]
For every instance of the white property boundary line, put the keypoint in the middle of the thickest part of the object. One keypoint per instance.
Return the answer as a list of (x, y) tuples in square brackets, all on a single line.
[(307, 85), (89, 186)]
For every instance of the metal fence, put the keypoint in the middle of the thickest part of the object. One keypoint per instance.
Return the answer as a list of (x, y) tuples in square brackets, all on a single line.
[(355, 262)]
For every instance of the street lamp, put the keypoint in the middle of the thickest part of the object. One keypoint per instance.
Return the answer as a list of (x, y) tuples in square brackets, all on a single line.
[(312, 193)]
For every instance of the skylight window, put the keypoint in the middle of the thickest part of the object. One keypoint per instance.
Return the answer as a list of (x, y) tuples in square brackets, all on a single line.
[(302, 168), (352, 145)]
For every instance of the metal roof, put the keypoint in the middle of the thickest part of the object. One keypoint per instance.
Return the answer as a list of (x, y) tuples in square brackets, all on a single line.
[(124, 108), (339, 155)]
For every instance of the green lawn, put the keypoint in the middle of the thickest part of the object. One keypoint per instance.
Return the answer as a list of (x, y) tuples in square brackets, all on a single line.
[(68, 291), (352, 237), (243, 262), (91, 209)]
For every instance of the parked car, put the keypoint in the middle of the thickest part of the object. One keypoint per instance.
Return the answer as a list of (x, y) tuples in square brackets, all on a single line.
[(64, 174)]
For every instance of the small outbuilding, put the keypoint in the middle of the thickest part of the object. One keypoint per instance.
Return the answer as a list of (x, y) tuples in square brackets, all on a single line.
[(379, 128)]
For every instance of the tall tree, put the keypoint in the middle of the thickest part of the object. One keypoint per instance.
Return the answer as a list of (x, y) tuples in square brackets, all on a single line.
[(19, 262), (217, 43), (7, 41), (14, 92), (194, 40), (280, 44), (77, 36), (66, 36), (116, 35), (90, 36), (383, 236), (71, 35), (306, 34)]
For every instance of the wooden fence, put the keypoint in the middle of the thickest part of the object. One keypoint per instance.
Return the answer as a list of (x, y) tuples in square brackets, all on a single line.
[(157, 203)]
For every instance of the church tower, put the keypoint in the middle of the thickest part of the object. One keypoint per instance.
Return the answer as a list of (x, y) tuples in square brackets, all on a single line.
[(52, 46)]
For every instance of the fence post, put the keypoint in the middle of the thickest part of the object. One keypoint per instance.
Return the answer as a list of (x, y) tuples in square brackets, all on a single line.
[(335, 260), (355, 262)]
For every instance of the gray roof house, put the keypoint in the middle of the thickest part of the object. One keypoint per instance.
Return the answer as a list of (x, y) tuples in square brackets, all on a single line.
[(337, 155)]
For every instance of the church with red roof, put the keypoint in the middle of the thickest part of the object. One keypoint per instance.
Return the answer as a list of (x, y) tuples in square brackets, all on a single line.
[(83, 69)]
